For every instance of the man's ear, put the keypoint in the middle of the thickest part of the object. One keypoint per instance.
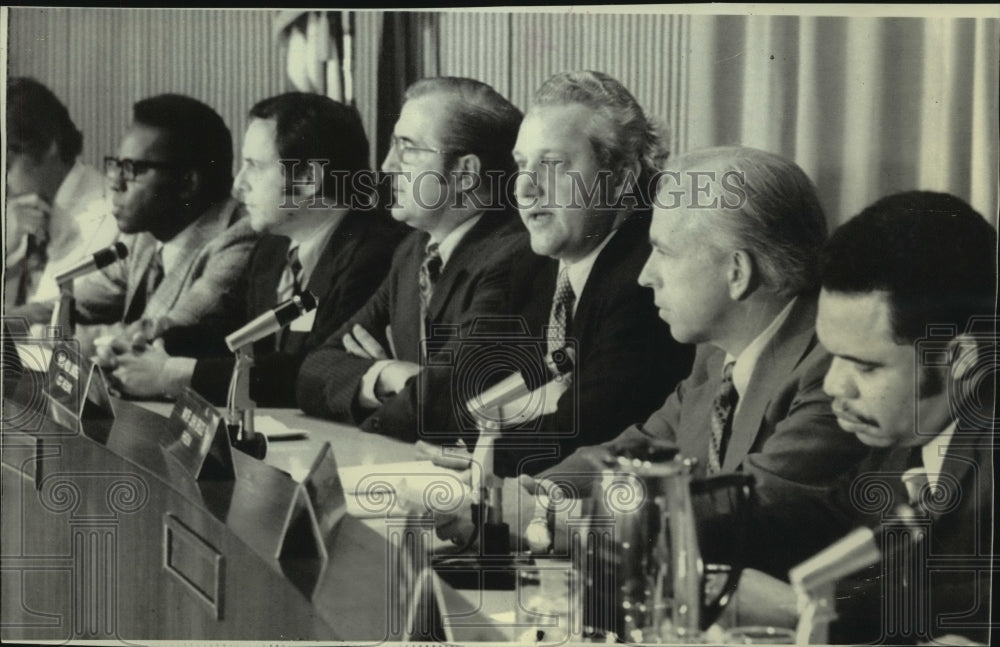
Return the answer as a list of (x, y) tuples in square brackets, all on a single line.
[(741, 274), (306, 184), (466, 169), (964, 351), (191, 182), (626, 179)]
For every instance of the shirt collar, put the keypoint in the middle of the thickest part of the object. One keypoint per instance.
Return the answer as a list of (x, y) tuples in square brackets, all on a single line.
[(447, 246), (311, 249), (579, 271), (933, 453), (747, 361), (171, 250)]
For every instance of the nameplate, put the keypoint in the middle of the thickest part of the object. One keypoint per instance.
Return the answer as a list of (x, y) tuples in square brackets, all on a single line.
[(200, 440), (316, 510), (76, 387)]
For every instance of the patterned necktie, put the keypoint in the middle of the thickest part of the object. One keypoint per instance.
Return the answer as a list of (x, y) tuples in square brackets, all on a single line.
[(722, 419), (154, 273), (430, 272), (295, 270), (560, 317)]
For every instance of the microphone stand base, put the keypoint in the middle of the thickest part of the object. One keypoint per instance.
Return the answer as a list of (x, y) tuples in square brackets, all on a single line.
[(486, 572), (255, 446)]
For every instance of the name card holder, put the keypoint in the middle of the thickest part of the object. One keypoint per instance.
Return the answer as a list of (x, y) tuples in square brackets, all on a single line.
[(316, 510), (200, 439), (77, 389)]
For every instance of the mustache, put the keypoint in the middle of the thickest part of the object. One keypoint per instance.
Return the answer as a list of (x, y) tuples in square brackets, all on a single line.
[(843, 411)]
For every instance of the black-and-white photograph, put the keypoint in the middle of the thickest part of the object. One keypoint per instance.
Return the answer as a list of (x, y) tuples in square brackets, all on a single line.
[(650, 324)]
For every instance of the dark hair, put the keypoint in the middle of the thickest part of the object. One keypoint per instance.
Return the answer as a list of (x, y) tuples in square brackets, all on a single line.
[(198, 138), (315, 127), (631, 138), (480, 121), (36, 118), (932, 253)]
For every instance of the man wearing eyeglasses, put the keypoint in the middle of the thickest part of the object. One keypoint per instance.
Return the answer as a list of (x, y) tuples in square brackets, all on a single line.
[(300, 182), (170, 184), (450, 153)]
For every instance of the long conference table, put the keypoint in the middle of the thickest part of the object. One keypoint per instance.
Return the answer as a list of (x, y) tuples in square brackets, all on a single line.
[(106, 537)]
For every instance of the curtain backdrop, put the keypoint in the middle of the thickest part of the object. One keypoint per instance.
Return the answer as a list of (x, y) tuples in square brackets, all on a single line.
[(867, 106)]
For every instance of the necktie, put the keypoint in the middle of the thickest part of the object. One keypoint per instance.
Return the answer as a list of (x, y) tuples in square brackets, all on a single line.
[(722, 419), (154, 273), (430, 272), (295, 270), (560, 317), (290, 286)]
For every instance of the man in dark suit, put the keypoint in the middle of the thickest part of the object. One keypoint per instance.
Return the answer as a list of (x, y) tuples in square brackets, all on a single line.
[(735, 234), (585, 155), (450, 149), (302, 155), (907, 309)]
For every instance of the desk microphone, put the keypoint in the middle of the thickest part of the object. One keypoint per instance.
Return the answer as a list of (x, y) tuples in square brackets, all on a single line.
[(94, 262), (272, 321)]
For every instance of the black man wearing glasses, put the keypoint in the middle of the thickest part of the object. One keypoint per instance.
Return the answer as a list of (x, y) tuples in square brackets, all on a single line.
[(170, 185)]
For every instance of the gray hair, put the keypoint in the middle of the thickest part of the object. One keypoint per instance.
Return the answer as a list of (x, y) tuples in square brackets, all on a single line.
[(779, 221)]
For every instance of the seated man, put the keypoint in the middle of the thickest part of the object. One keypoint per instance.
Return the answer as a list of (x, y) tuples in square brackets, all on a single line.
[(735, 233), (585, 155), (450, 147), (187, 244), (56, 212), (322, 236), (907, 309)]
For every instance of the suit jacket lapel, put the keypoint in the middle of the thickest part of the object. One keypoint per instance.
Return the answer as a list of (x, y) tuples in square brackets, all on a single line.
[(142, 256), (405, 316), (457, 267), (334, 256), (792, 341)]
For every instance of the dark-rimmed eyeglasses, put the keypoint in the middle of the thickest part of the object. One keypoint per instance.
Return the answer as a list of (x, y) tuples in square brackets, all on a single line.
[(129, 169), (408, 153)]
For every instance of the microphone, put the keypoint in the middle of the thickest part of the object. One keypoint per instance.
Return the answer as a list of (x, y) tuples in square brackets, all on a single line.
[(859, 549), (506, 390), (272, 321), (96, 261)]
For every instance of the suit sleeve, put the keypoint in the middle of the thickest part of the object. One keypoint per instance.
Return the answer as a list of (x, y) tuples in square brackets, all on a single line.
[(273, 376), (329, 378), (579, 470), (213, 296), (631, 366), (100, 296), (427, 407)]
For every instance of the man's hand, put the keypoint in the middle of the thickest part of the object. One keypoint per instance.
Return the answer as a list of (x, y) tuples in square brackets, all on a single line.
[(359, 342), (455, 458), (394, 377), (27, 214), (141, 372)]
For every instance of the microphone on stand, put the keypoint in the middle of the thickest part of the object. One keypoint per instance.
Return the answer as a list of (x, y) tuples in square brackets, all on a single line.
[(272, 321), (239, 405), (94, 262)]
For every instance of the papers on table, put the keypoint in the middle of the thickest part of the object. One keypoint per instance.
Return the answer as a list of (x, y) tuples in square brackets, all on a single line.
[(274, 429), (395, 489)]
